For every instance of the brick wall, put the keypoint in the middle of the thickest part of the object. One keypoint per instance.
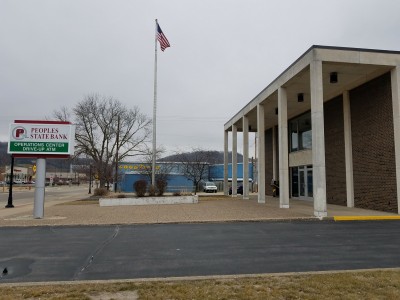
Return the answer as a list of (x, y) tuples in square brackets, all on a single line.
[(373, 145), (335, 152)]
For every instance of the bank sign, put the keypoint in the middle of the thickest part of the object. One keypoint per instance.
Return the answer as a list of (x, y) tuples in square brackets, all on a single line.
[(44, 137)]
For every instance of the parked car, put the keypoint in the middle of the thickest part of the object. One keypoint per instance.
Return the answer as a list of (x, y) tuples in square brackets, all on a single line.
[(209, 187), (239, 190)]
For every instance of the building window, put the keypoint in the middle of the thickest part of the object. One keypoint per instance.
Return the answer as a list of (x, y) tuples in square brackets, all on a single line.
[(294, 136), (300, 134), (295, 182)]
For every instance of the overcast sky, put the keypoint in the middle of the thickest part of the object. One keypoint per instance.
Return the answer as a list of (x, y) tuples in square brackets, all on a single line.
[(224, 52)]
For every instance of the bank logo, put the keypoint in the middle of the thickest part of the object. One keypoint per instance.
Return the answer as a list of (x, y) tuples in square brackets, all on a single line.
[(19, 133)]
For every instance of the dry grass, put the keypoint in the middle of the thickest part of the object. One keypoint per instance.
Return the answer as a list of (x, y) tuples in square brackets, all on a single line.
[(347, 285)]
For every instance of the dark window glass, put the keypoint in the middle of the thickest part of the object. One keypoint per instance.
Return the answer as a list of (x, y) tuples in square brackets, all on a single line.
[(309, 181), (295, 182), (305, 133), (300, 134), (294, 144)]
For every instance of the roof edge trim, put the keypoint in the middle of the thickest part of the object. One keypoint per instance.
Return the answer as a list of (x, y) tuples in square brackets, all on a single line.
[(301, 57)]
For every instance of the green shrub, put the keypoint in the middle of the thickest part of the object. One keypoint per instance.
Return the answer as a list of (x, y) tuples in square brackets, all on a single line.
[(100, 192), (140, 187), (161, 186)]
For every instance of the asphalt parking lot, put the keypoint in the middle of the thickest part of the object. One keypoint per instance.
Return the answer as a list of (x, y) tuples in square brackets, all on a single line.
[(70, 253)]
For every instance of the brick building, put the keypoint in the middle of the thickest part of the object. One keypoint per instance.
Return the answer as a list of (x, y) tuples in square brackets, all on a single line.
[(328, 130)]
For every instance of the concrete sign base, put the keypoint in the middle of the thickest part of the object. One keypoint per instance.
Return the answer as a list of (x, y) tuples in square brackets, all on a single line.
[(149, 200)]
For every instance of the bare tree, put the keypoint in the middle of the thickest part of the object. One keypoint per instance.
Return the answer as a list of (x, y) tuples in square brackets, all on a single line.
[(5, 158), (195, 165), (64, 114), (105, 127), (162, 171)]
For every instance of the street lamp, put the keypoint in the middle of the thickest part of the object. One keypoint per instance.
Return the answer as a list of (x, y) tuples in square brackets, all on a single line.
[(90, 179)]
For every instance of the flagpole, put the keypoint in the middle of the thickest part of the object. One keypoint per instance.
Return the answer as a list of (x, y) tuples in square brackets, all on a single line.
[(153, 167)]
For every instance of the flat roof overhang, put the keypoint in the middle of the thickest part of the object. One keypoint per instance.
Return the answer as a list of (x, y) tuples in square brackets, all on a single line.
[(354, 67)]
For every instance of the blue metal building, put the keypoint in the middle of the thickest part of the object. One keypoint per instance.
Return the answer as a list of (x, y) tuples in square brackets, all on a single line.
[(129, 173), (216, 172)]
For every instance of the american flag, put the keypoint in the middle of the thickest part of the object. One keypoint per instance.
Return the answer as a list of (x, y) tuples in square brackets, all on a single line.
[(162, 39)]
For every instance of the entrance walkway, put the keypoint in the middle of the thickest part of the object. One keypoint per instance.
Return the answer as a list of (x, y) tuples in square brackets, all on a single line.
[(209, 209)]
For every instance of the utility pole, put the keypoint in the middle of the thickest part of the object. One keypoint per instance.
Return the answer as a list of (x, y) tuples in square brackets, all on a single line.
[(116, 158), (90, 178)]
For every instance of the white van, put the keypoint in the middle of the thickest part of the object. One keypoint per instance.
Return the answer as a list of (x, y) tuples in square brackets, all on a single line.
[(209, 187)]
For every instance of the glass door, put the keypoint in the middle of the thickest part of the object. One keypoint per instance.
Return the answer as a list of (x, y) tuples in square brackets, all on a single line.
[(309, 182), (302, 182)]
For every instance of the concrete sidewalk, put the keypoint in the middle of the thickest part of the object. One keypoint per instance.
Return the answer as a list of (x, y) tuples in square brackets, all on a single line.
[(209, 209)]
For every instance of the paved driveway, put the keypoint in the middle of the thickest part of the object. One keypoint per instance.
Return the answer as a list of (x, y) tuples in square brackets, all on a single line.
[(170, 250)]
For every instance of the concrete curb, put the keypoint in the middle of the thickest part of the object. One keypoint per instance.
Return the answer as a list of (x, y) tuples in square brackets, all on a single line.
[(271, 220), (365, 218), (191, 278)]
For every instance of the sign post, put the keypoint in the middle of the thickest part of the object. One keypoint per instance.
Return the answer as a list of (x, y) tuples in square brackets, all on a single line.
[(10, 196), (41, 140), (40, 183)]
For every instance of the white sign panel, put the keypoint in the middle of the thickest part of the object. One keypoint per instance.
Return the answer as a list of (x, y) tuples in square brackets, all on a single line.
[(48, 138)]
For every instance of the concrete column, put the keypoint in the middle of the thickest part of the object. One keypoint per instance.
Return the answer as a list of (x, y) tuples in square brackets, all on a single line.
[(40, 183), (348, 149), (395, 78), (283, 149), (226, 184), (261, 153), (274, 164), (318, 139), (245, 157), (234, 161)]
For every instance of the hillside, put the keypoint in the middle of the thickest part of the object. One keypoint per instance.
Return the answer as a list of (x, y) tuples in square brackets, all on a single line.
[(216, 157), (63, 165)]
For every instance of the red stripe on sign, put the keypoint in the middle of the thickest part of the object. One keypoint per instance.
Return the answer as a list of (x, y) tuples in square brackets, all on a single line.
[(41, 122)]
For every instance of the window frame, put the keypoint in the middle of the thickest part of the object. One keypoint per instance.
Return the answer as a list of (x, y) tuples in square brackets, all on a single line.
[(294, 122)]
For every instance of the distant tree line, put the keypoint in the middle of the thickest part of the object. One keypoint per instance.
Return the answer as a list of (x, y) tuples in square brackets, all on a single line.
[(213, 156)]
